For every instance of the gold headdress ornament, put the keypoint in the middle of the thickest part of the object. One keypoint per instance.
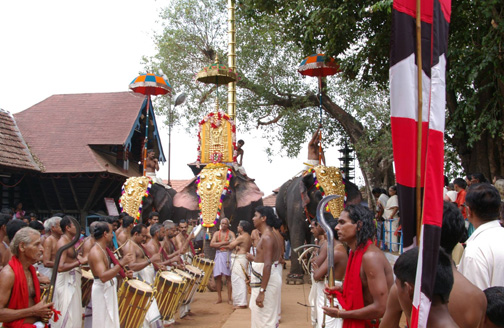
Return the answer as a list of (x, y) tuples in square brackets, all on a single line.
[(329, 180), (133, 192), (212, 185)]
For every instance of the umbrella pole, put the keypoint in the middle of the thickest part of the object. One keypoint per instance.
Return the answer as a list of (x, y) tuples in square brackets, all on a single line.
[(320, 118), (146, 137)]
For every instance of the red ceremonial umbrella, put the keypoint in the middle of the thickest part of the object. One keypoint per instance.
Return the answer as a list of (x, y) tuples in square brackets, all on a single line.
[(149, 85)]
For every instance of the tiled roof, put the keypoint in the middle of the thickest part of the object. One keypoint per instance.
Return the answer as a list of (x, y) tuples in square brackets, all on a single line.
[(13, 150), (60, 129), (178, 185), (270, 200)]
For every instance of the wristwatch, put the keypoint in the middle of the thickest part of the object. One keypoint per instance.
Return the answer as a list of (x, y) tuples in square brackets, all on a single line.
[(262, 290)]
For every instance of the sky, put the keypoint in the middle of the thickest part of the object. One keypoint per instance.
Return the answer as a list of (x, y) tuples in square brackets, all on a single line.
[(64, 47)]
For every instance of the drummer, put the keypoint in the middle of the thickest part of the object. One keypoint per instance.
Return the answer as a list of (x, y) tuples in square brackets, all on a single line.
[(153, 246), (143, 269), (104, 292), (184, 243), (169, 248), (89, 241), (125, 233)]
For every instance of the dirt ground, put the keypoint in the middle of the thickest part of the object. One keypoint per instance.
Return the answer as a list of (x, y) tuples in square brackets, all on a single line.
[(208, 314), (295, 310)]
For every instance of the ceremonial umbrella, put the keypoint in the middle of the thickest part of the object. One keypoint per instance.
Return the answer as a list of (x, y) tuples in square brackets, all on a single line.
[(216, 74), (319, 65), (149, 85)]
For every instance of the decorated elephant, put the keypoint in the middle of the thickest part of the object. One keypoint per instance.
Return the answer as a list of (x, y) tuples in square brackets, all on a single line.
[(140, 196), (222, 192), (297, 201)]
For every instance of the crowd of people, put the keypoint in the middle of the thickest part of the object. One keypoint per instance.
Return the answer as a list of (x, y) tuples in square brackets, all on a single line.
[(366, 292)]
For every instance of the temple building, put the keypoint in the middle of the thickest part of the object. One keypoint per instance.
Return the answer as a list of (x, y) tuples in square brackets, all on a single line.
[(78, 150)]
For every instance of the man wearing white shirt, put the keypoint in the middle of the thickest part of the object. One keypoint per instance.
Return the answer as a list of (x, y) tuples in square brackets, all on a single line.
[(483, 259)]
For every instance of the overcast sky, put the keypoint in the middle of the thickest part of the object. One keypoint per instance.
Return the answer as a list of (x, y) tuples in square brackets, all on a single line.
[(60, 47)]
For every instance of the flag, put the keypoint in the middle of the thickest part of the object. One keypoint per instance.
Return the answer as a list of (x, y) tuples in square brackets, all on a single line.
[(435, 17)]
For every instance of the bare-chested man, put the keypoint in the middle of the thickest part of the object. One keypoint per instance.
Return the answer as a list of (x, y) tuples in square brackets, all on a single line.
[(368, 270), (255, 236), (153, 246), (222, 263), (5, 253), (265, 283), (89, 241), (169, 249), (104, 292), (20, 306), (183, 242), (314, 149), (320, 274), (143, 268), (125, 233), (239, 268), (51, 245), (68, 285), (317, 259)]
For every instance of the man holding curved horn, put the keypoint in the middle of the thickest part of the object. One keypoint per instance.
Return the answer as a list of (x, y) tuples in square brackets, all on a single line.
[(68, 293), (20, 304)]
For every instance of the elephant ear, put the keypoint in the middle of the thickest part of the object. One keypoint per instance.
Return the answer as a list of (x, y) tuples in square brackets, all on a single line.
[(187, 198), (246, 191), (305, 183)]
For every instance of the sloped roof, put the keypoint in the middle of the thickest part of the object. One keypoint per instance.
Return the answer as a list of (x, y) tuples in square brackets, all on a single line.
[(60, 129), (13, 150), (270, 200), (179, 185)]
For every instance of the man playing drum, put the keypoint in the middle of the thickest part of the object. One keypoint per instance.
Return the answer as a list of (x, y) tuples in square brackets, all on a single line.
[(183, 242), (220, 239), (143, 269), (104, 292), (169, 249)]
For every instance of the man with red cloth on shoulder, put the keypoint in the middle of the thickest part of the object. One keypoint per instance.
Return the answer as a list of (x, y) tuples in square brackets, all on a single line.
[(20, 304), (368, 276)]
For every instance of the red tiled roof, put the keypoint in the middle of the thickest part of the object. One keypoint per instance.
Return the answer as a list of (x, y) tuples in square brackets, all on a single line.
[(270, 200), (13, 150), (178, 185), (60, 129)]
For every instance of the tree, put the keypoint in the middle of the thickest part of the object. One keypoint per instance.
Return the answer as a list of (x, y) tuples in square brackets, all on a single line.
[(271, 94), (358, 33)]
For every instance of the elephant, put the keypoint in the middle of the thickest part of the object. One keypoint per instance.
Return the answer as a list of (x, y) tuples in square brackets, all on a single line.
[(239, 204), (160, 200), (295, 199)]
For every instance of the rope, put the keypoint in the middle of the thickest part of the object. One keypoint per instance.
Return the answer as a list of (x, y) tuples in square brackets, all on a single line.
[(8, 186)]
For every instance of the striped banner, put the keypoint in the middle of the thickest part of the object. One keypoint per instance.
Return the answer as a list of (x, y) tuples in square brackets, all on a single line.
[(435, 17)]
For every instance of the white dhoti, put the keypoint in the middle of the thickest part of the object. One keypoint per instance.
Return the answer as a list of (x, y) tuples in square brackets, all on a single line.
[(45, 270), (68, 299), (238, 279), (311, 163), (153, 317), (277, 269), (312, 301), (322, 300), (105, 306), (156, 179), (88, 314), (267, 316)]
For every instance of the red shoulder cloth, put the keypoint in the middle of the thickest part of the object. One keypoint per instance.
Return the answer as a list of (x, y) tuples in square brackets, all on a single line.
[(19, 295), (352, 298)]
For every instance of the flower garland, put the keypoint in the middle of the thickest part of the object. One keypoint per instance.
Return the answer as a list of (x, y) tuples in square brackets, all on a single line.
[(225, 191), (319, 187), (210, 117), (147, 192)]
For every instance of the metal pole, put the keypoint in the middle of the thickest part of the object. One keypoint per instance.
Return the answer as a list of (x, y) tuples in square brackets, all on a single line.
[(146, 136), (170, 123)]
